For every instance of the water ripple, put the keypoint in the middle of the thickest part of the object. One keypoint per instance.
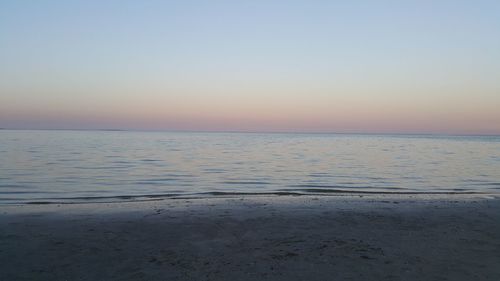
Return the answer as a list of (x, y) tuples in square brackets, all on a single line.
[(54, 166)]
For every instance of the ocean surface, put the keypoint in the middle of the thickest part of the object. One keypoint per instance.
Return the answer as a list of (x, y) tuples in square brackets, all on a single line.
[(103, 166)]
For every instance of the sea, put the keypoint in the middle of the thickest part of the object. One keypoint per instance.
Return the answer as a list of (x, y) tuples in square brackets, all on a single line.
[(63, 166)]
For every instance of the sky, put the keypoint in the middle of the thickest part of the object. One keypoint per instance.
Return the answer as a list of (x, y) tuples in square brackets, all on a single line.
[(266, 66)]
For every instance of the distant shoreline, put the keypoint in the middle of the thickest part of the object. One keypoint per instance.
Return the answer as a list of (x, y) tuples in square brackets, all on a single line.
[(258, 132)]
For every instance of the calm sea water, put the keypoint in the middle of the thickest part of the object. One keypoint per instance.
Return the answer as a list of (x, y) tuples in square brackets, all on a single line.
[(54, 166)]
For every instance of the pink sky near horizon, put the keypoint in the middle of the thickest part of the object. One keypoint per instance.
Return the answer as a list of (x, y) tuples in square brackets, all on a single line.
[(342, 119)]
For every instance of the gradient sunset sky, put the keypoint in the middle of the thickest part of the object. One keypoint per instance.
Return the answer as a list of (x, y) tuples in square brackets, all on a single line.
[(308, 66)]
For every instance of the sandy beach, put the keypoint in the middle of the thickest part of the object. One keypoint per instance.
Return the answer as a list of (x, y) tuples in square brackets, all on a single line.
[(382, 237)]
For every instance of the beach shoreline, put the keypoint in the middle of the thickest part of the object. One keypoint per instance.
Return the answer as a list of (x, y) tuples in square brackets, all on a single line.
[(308, 237)]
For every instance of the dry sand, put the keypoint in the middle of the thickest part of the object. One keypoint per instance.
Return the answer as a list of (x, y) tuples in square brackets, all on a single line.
[(383, 237)]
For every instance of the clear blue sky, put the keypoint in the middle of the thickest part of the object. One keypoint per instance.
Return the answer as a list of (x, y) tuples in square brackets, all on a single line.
[(346, 66)]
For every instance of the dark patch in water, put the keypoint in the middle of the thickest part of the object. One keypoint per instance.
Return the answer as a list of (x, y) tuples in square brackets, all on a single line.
[(25, 192), (342, 186), (15, 186), (319, 190), (39, 203), (158, 180), (246, 182)]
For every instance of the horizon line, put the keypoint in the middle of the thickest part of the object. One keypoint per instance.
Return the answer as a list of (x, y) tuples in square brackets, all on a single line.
[(251, 132)]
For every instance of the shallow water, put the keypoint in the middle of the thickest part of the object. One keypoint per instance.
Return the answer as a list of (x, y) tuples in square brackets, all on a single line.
[(68, 166)]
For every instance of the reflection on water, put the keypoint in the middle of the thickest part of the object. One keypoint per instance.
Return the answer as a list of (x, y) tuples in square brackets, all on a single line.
[(48, 165)]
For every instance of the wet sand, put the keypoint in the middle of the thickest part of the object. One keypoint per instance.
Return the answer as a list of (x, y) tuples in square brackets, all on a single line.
[(383, 237)]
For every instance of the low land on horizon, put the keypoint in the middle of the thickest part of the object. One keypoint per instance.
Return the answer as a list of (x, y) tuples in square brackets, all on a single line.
[(375, 133)]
